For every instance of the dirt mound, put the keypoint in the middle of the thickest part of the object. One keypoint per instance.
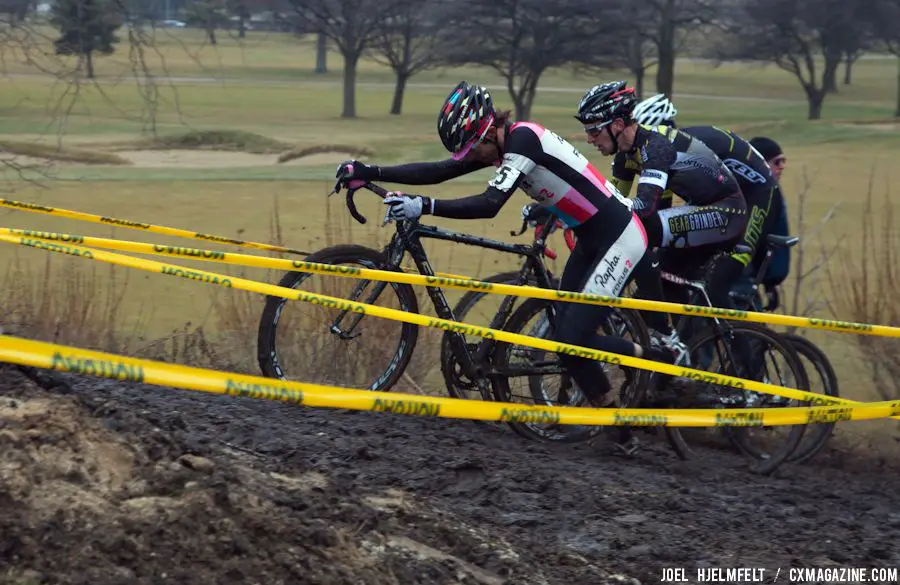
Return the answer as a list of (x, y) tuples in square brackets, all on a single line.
[(122, 483), (129, 502)]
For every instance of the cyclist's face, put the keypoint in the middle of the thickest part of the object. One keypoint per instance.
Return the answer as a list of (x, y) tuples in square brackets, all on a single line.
[(777, 165), (486, 152), (599, 138)]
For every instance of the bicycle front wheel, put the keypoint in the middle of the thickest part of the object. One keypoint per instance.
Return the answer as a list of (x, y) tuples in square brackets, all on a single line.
[(749, 351), (334, 346)]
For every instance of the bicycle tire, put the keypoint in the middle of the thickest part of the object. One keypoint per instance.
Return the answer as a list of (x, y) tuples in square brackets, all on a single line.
[(460, 311), (267, 353), (572, 434), (764, 466), (816, 435)]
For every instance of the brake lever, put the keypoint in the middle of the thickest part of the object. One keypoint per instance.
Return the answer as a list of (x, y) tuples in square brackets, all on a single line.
[(521, 231), (336, 188)]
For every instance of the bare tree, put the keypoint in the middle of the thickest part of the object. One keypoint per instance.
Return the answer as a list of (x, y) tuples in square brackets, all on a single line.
[(210, 15), (521, 39), (884, 16), (15, 11), (353, 26), (793, 34), (635, 51), (852, 54), (666, 24), (408, 43)]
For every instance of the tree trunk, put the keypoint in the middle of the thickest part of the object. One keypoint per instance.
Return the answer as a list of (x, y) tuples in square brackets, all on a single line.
[(211, 33), (830, 71), (321, 53), (399, 89), (848, 68), (897, 112), (665, 73), (639, 82), (242, 28), (636, 64), (350, 62), (523, 99), (89, 64), (816, 98)]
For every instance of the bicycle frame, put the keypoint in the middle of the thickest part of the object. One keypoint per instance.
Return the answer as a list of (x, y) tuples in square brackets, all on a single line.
[(408, 238)]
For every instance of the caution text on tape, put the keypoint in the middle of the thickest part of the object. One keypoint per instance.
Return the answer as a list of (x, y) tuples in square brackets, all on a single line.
[(460, 283), (107, 365), (417, 319)]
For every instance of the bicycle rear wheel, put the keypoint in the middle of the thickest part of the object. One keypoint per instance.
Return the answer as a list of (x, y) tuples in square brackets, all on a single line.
[(823, 380), (773, 360), (339, 348)]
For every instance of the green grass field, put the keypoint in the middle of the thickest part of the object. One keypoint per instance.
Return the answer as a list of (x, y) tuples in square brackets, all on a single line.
[(265, 86)]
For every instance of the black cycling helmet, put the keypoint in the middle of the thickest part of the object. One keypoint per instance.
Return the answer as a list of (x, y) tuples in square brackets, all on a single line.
[(605, 102), (465, 117)]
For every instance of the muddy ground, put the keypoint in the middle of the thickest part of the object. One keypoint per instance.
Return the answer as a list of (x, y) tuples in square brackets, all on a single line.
[(103, 483)]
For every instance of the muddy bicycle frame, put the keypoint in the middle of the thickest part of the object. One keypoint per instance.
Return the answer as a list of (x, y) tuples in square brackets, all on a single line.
[(407, 238)]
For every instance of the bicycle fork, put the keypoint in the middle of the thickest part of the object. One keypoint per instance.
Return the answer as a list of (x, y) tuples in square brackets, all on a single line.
[(346, 332)]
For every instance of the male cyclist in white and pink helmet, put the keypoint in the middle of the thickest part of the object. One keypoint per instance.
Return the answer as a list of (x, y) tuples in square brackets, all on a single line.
[(612, 244)]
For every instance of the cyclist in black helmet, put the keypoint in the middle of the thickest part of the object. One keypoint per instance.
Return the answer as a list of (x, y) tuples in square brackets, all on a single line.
[(663, 158), (612, 245)]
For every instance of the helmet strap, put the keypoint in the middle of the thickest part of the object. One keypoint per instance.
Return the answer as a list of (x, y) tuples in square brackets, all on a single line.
[(613, 137), (506, 126)]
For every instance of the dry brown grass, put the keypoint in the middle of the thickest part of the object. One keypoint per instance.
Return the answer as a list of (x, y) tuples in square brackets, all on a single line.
[(864, 283)]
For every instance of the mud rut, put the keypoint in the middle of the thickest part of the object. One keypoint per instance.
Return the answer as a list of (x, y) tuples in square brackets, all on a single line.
[(271, 493)]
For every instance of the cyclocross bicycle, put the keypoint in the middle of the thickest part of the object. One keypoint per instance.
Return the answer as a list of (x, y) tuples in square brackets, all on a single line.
[(711, 344), (361, 352)]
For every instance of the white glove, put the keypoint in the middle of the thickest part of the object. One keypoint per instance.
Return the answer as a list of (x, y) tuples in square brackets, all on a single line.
[(402, 206)]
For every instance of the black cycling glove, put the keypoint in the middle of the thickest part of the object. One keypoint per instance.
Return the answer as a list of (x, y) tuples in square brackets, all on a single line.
[(353, 170)]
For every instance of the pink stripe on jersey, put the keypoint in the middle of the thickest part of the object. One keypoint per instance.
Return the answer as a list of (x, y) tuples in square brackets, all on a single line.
[(576, 206), (598, 180), (640, 224), (536, 128)]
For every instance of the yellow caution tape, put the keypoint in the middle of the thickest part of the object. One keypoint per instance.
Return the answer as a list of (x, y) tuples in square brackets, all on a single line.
[(107, 365), (417, 319), (146, 227), (460, 283)]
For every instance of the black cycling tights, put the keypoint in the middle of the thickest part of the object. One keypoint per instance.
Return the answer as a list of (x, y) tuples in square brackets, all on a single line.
[(606, 272)]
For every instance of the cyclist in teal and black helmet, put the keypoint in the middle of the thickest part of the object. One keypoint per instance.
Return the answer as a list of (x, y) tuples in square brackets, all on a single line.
[(465, 119)]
